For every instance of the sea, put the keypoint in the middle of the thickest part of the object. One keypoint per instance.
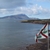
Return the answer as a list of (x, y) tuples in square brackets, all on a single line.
[(15, 35)]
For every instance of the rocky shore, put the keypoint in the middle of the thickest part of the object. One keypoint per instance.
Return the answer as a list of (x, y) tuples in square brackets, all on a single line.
[(39, 46)]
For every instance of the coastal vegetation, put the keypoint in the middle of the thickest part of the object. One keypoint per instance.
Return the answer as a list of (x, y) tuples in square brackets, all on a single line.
[(37, 21)]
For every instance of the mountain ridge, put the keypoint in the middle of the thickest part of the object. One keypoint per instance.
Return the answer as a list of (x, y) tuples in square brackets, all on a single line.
[(19, 16)]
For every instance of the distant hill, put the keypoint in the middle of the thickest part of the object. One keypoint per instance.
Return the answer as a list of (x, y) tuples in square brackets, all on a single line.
[(19, 16)]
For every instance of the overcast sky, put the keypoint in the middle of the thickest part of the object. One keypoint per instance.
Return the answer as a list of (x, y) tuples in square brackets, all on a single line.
[(32, 8)]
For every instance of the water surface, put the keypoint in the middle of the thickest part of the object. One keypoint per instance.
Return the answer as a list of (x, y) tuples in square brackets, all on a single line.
[(14, 35)]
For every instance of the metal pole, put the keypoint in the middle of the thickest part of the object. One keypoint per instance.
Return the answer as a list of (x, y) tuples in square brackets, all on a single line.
[(48, 37)]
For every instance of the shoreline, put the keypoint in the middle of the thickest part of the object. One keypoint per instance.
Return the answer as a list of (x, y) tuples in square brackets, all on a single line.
[(39, 46)]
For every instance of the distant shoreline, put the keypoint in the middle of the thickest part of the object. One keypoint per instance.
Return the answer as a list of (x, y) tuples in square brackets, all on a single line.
[(38, 21)]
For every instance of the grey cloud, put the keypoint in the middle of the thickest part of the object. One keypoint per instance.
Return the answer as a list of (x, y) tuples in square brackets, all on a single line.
[(11, 3)]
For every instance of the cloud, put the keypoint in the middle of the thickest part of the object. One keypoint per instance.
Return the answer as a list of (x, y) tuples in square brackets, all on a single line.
[(3, 11), (44, 10), (30, 11), (11, 3), (15, 3), (34, 10)]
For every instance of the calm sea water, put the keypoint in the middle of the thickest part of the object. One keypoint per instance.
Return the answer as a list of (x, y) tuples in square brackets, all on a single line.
[(14, 35)]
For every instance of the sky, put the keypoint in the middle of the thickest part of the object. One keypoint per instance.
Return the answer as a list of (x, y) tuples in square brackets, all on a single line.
[(32, 8)]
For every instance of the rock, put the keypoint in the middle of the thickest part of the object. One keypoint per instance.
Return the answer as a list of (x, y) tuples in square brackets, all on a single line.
[(38, 46)]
